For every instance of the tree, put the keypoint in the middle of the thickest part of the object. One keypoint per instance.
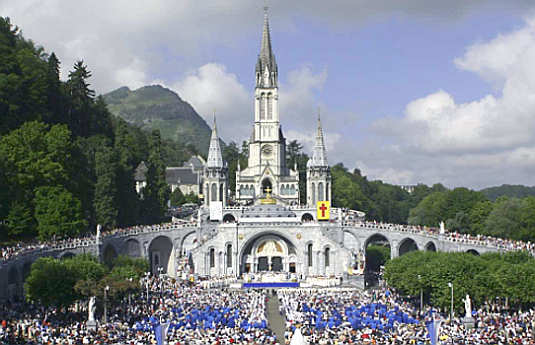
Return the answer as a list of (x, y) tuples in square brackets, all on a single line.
[(478, 216), (81, 99), (105, 201), (20, 220), (58, 213), (157, 191), (51, 283), (430, 211), (505, 219), (231, 155)]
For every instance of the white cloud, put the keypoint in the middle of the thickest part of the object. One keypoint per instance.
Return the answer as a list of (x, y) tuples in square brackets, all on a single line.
[(211, 88), (485, 141), (109, 35)]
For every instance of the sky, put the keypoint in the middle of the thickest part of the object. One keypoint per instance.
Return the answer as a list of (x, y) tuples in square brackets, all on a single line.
[(409, 91)]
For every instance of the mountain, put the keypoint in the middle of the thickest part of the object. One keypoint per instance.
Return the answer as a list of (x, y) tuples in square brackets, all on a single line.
[(155, 107), (512, 191)]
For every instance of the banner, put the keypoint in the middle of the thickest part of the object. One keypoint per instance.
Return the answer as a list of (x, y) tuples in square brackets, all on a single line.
[(216, 210), (323, 210)]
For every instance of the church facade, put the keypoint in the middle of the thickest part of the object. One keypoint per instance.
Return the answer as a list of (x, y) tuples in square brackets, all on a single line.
[(267, 228)]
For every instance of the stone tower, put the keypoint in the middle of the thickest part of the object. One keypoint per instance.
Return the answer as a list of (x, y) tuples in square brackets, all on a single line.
[(318, 172), (215, 179), (266, 169)]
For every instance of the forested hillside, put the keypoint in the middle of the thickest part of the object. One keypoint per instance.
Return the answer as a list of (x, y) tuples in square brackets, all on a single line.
[(66, 163), (512, 191), (155, 107)]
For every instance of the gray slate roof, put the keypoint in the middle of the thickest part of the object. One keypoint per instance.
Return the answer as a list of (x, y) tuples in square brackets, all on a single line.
[(181, 175)]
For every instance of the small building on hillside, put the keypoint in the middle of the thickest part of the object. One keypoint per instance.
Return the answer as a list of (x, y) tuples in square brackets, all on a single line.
[(187, 178)]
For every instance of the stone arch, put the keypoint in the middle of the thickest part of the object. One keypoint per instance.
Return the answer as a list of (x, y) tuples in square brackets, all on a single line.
[(132, 248), (407, 245), (109, 254), (189, 241), (373, 259), (473, 252), (377, 238), (255, 240), (431, 247), (351, 241), (229, 218), (161, 255), (307, 217), (66, 255)]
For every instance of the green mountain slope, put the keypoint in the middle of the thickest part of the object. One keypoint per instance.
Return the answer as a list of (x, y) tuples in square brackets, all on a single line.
[(512, 191), (155, 107)]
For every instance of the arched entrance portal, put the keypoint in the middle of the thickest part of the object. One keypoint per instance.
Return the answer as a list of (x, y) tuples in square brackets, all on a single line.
[(377, 253), (266, 186), (161, 256), (268, 253)]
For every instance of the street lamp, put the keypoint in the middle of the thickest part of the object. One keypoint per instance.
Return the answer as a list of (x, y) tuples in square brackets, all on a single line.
[(421, 294), (106, 289), (451, 307)]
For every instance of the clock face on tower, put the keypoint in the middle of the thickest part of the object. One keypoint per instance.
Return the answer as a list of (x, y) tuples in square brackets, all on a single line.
[(267, 150)]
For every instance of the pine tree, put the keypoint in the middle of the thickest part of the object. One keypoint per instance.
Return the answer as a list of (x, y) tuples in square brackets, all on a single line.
[(156, 194), (81, 99), (105, 200)]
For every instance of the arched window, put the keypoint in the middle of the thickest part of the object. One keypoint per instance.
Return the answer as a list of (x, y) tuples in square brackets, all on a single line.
[(313, 193), (327, 257), (327, 192), (229, 255), (309, 255), (292, 190), (207, 190), (262, 107), (212, 257), (221, 192), (214, 192), (321, 196), (269, 106)]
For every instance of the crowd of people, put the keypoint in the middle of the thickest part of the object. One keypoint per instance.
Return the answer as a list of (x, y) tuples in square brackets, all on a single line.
[(194, 316), (347, 316)]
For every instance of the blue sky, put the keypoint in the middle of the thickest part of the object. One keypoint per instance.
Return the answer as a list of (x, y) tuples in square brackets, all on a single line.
[(410, 90)]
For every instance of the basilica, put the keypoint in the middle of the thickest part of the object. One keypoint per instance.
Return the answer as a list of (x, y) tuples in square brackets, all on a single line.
[(267, 231), (267, 171)]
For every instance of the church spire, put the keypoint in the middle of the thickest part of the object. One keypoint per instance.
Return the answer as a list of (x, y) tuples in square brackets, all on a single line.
[(215, 158), (319, 155), (266, 58)]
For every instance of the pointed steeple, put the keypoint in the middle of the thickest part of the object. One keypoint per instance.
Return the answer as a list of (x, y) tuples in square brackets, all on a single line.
[(266, 58), (319, 155), (215, 158)]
